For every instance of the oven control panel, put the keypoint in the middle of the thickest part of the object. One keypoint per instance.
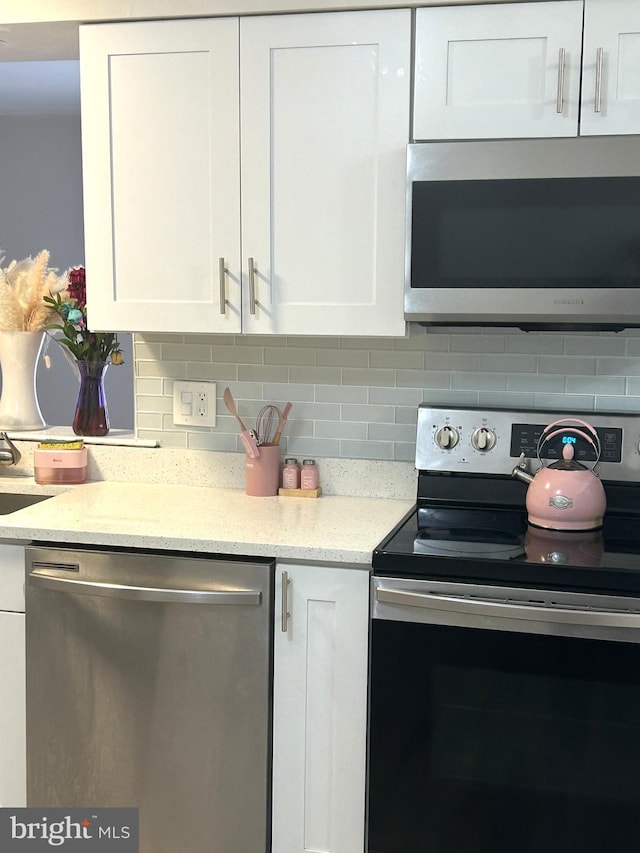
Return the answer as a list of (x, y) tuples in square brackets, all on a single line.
[(528, 439), (493, 441)]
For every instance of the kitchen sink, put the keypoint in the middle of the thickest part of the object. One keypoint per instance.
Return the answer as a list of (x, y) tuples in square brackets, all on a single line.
[(12, 501)]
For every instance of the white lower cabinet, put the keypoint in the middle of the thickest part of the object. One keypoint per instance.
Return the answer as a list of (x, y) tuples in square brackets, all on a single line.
[(13, 791), (320, 709)]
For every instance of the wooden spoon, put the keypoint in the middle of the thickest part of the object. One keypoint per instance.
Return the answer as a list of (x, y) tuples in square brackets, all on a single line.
[(245, 436)]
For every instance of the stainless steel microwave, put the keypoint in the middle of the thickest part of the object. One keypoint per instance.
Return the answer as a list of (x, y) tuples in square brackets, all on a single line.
[(538, 234)]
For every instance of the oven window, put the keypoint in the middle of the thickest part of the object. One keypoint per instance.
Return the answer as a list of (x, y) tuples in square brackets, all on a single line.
[(552, 232), (491, 742)]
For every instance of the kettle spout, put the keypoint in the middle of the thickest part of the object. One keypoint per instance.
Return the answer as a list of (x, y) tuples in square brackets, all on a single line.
[(520, 472)]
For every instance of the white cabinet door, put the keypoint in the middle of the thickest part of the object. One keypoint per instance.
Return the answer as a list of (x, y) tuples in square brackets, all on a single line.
[(506, 70), (320, 709), (13, 785), (611, 72), (324, 127), (161, 175)]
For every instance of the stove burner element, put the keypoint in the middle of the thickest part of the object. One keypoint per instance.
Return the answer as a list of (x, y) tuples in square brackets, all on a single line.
[(468, 542)]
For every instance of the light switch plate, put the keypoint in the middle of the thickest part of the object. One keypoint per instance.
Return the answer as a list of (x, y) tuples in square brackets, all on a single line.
[(194, 403)]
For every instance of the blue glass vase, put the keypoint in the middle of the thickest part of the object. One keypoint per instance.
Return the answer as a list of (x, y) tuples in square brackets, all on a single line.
[(91, 415)]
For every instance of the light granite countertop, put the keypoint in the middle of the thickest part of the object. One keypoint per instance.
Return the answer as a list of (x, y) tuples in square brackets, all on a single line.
[(329, 529)]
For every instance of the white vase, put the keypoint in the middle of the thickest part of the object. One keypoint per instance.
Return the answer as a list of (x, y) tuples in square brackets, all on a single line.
[(19, 352)]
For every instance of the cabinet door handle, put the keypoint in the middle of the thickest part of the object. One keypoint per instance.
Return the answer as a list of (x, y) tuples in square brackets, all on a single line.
[(252, 287), (222, 275), (597, 107), (284, 619), (560, 94)]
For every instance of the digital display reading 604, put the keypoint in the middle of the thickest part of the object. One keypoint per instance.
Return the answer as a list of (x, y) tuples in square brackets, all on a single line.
[(568, 439)]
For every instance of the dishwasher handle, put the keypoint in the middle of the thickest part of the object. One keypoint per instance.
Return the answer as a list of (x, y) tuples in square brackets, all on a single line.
[(147, 593)]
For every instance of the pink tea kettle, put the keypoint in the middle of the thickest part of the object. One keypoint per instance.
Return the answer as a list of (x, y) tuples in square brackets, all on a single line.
[(565, 495)]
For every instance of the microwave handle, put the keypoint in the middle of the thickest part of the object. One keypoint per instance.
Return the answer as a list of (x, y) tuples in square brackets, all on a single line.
[(560, 93)]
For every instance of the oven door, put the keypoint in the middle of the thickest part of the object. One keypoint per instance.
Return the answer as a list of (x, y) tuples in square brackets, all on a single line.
[(502, 720)]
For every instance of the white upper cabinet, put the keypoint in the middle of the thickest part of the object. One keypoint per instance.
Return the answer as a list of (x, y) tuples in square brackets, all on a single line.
[(160, 140), (308, 113), (507, 70), (611, 69), (513, 70), (325, 124)]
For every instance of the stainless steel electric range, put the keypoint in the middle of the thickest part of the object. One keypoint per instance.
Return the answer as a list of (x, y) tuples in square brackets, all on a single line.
[(505, 658)]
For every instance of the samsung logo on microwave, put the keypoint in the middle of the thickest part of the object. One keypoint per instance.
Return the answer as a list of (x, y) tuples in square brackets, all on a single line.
[(568, 301)]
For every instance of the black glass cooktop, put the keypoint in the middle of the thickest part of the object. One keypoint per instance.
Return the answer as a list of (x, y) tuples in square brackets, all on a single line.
[(498, 546)]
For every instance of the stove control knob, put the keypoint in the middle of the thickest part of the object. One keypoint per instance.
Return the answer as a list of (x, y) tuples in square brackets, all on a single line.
[(447, 437), (483, 439)]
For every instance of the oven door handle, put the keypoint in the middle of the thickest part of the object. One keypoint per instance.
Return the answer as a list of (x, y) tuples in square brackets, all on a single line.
[(508, 609)]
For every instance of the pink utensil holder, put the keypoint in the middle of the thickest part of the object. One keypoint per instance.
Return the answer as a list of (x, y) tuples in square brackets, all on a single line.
[(263, 473)]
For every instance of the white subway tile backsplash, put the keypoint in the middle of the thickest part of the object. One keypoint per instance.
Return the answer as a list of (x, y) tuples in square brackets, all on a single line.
[(340, 429), (507, 400), (149, 386), (478, 343), (511, 363), (342, 394), (423, 378), (366, 449), (396, 396), (407, 415), (392, 432), (443, 397), (618, 367), (479, 381), (358, 397), (343, 357), (212, 372), (284, 355), (368, 414), (452, 361), (536, 382), (627, 404), (535, 342), (370, 376), (186, 352), (312, 447), (315, 375), (594, 345), (238, 354), (567, 365), (411, 359), (263, 373), (578, 402), (608, 386)]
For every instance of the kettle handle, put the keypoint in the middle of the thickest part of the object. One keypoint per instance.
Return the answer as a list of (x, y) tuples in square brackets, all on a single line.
[(570, 421), (545, 436)]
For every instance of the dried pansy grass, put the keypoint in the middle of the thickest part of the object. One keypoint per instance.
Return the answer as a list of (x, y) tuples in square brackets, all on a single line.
[(23, 286)]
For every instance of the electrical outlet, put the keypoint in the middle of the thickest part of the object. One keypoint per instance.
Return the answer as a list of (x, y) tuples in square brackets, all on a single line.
[(194, 403)]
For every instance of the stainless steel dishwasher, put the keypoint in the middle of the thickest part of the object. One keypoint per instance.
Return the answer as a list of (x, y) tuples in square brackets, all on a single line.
[(149, 684)]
